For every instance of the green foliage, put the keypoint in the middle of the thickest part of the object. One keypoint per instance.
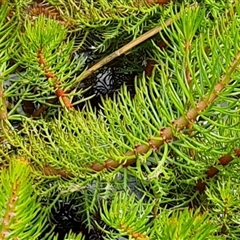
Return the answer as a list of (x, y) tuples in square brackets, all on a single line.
[(224, 197), (71, 236), (162, 164), (21, 213), (128, 216), (184, 225), (117, 21), (45, 52), (7, 38)]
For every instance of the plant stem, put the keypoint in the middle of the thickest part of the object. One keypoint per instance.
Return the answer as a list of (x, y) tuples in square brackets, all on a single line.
[(126, 48)]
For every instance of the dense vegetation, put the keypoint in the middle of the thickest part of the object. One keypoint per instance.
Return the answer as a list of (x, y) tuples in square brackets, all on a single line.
[(119, 119)]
